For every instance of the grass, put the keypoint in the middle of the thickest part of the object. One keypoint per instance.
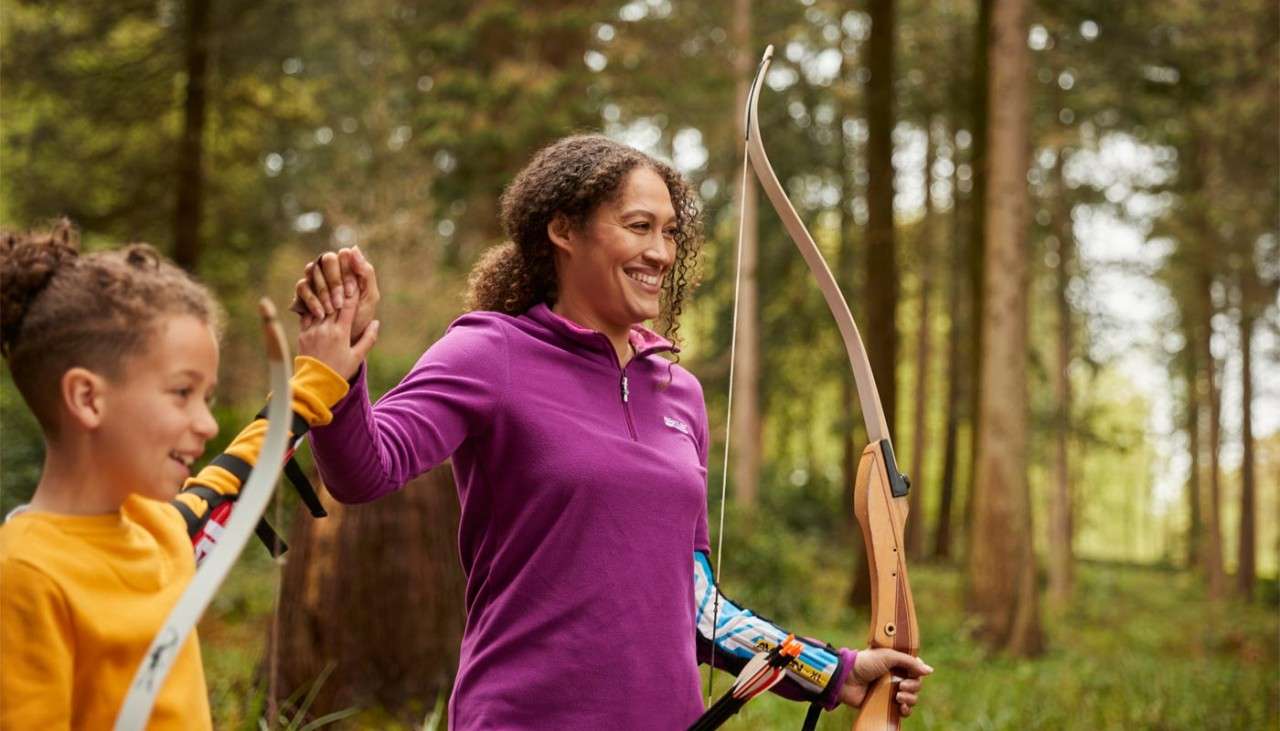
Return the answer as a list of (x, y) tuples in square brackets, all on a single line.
[(1139, 648), (233, 640)]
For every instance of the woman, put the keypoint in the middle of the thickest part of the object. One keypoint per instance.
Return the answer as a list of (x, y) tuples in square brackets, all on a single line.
[(580, 454)]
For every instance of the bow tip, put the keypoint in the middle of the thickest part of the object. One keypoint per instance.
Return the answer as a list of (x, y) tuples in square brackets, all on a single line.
[(277, 346), (267, 310)]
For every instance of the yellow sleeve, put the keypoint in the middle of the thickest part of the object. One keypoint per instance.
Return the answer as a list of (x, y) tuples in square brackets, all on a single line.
[(36, 650), (316, 388)]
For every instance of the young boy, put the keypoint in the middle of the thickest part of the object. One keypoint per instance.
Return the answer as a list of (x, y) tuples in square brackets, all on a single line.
[(116, 354)]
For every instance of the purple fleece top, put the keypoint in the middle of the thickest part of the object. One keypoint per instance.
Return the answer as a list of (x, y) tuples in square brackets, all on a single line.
[(583, 494)]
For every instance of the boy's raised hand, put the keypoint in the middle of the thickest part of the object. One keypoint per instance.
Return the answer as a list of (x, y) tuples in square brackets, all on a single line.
[(329, 339)]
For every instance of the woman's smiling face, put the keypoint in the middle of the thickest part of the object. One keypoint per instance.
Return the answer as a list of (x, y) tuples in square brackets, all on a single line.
[(615, 264)]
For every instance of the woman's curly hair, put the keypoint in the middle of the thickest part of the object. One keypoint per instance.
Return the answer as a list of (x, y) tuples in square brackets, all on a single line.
[(60, 309), (573, 177)]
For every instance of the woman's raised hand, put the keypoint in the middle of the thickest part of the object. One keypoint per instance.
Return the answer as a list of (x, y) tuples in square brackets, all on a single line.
[(330, 281)]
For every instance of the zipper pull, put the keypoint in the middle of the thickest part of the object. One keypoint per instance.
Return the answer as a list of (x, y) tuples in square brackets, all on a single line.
[(625, 392)]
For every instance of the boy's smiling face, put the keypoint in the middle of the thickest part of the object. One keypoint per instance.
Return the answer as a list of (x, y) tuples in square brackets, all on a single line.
[(156, 418)]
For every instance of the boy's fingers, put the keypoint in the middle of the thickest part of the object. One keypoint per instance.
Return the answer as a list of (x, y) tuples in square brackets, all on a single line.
[(320, 287), (304, 300)]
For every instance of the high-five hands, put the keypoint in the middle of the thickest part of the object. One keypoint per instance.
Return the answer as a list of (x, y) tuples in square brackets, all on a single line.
[(336, 299), (332, 280)]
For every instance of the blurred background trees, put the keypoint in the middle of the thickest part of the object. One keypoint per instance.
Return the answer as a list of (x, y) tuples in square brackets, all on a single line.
[(1073, 320)]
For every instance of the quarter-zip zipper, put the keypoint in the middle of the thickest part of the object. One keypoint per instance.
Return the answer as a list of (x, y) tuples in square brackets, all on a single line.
[(624, 389), (626, 405)]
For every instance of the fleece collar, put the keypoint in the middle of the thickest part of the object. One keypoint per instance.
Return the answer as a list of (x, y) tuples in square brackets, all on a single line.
[(643, 340)]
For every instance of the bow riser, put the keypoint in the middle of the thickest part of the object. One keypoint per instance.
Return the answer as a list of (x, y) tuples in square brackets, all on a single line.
[(883, 518), (879, 710)]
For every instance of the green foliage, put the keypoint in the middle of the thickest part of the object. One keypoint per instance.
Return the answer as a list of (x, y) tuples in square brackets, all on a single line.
[(82, 151), (1137, 648), (770, 569), (92, 114), (21, 447)]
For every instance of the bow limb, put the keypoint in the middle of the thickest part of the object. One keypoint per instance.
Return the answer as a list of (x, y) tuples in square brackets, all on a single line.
[(872, 411), (255, 493), (880, 489)]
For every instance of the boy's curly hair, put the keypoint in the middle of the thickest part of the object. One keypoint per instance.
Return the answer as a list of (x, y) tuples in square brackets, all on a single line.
[(60, 309)]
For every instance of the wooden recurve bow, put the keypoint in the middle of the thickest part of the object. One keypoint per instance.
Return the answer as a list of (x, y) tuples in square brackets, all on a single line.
[(255, 493), (880, 490)]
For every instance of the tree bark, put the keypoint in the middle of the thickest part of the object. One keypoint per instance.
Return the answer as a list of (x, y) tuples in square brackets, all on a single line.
[(1215, 574), (928, 237), (376, 592), (1246, 571), (851, 428), (978, 164), (957, 375), (1195, 524), (1061, 562), (190, 183), (1002, 593), (882, 266), (745, 428)]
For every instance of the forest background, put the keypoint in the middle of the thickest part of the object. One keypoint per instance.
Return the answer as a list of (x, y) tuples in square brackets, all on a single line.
[(1112, 311)]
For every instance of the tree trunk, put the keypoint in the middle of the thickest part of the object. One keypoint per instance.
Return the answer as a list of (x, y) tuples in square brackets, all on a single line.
[(746, 409), (956, 375), (1246, 570), (376, 593), (1195, 525), (190, 183), (956, 361), (882, 266), (851, 429), (978, 163), (1214, 573), (1061, 577), (928, 237), (1002, 593)]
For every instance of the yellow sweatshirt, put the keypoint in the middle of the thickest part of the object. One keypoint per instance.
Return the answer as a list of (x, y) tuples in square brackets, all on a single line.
[(81, 597)]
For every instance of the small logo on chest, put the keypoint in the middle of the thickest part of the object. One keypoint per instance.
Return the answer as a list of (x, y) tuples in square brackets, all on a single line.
[(676, 424)]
